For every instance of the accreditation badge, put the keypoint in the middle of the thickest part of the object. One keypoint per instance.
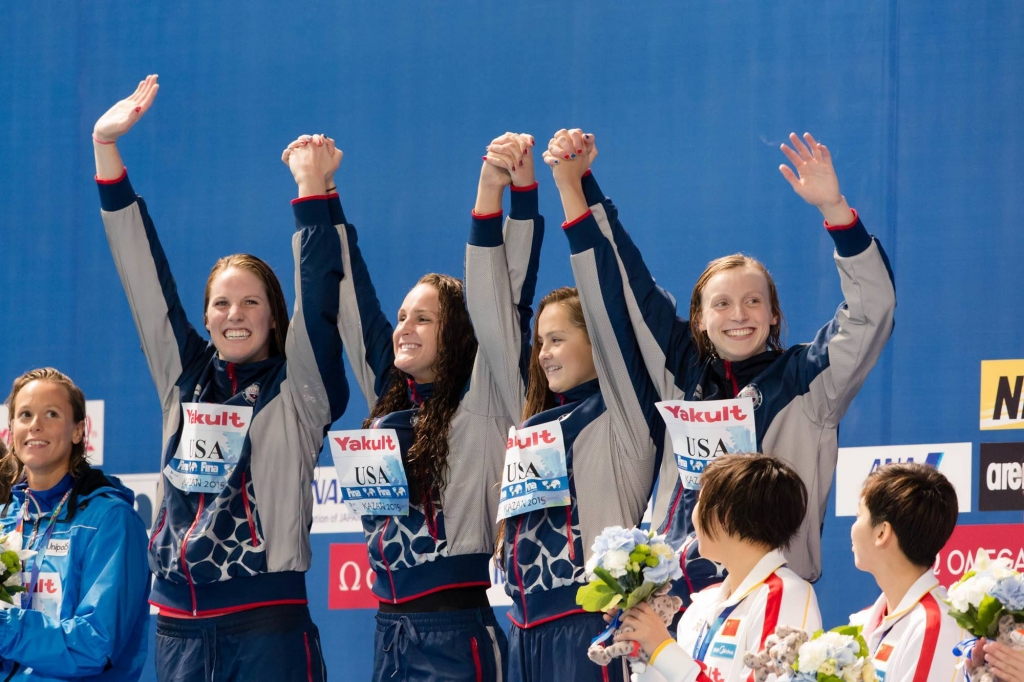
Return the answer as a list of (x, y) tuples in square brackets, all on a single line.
[(535, 474), (371, 475), (210, 446), (48, 593), (702, 430), (881, 660)]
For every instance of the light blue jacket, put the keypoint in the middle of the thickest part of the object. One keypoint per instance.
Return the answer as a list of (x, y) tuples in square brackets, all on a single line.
[(98, 552)]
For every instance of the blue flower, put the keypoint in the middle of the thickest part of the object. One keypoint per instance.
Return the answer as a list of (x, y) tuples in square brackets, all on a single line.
[(616, 537), (667, 569), (1010, 593)]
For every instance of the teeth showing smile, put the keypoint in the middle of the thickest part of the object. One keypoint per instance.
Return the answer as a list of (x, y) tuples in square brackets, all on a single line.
[(237, 334), (739, 333), (33, 443), (408, 346), (552, 368)]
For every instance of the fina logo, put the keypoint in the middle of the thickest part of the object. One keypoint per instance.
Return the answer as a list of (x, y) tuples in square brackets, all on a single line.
[(933, 459)]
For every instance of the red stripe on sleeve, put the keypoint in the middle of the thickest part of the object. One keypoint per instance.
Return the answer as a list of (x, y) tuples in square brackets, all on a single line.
[(932, 625)]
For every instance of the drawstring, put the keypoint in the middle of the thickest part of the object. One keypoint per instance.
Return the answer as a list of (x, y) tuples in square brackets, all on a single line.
[(396, 639), (560, 398)]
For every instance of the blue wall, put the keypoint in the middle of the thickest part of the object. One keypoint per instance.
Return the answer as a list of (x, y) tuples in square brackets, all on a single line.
[(689, 102)]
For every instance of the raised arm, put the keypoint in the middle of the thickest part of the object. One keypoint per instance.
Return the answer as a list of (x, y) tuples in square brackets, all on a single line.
[(501, 266), (628, 391), (169, 342), (839, 358), (362, 325), (316, 374)]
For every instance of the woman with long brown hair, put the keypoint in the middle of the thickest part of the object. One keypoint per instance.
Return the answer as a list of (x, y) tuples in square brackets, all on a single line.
[(244, 416), (583, 459), (428, 389), (83, 614)]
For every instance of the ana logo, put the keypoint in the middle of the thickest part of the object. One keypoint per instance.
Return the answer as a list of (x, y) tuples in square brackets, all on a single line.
[(251, 393), (731, 627), (753, 392), (932, 459), (1002, 394), (1001, 483), (884, 652)]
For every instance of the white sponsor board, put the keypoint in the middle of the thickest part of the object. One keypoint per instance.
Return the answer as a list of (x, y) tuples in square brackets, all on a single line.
[(952, 459), (94, 429), (330, 513)]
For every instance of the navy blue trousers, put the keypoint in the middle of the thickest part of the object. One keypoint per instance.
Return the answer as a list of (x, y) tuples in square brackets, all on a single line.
[(267, 644), (557, 651), (467, 644)]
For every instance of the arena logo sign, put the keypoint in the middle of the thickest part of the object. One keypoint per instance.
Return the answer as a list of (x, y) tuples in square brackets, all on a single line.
[(855, 464), (94, 410), (1002, 394), (999, 541), (1001, 478)]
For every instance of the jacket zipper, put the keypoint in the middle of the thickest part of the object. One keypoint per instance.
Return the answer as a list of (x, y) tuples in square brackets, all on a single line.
[(184, 562), (233, 377), (731, 377), (384, 560), (519, 576), (568, 533), (248, 513), (160, 527), (476, 659)]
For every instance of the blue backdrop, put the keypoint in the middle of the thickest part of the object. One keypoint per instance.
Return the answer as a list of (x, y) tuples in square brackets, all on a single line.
[(919, 101)]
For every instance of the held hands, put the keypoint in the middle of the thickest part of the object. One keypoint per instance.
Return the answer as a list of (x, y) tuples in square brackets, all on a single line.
[(312, 160), (508, 161), (569, 154), (1004, 661), (648, 627), (120, 118), (815, 179)]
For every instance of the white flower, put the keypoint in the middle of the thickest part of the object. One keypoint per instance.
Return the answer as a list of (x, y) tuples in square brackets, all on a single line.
[(615, 562), (13, 580), (13, 542), (970, 592), (812, 654)]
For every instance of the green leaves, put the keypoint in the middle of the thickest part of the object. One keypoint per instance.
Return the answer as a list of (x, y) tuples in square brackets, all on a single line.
[(988, 615), (640, 594), (597, 596)]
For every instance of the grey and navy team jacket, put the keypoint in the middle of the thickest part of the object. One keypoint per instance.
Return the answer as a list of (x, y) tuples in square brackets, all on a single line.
[(447, 541), (612, 433), (247, 545), (799, 395)]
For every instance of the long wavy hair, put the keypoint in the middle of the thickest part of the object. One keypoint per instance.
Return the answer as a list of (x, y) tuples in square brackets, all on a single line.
[(275, 296), (539, 397), (11, 468), (705, 349), (426, 462)]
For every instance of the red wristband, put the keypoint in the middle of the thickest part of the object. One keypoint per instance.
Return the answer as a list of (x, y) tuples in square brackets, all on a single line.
[(99, 141)]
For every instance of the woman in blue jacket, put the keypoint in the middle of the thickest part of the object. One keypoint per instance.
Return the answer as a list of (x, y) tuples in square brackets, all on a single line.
[(244, 417), (84, 613)]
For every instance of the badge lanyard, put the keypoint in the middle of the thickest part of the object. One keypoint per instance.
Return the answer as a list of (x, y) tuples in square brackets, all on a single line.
[(708, 633), (37, 561)]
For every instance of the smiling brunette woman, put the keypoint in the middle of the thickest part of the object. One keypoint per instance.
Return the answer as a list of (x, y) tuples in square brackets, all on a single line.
[(86, 543), (425, 381), (231, 544)]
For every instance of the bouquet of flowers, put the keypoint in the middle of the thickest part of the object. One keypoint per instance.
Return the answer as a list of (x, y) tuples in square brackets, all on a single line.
[(11, 556), (839, 655), (628, 566), (989, 602)]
